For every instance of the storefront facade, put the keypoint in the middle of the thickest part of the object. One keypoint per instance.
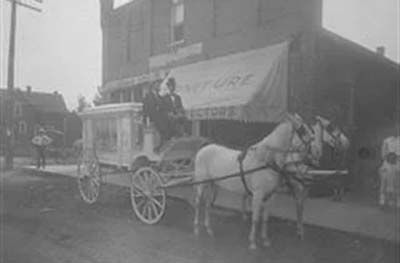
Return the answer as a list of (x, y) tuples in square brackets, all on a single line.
[(144, 40)]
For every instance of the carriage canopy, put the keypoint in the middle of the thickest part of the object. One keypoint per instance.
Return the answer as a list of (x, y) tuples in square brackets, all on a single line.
[(248, 86)]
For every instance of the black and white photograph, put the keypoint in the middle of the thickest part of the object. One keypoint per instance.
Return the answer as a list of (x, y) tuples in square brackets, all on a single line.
[(199, 131)]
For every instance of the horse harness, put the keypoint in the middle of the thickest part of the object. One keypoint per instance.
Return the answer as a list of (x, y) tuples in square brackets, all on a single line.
[(240, 159), (273, 165)]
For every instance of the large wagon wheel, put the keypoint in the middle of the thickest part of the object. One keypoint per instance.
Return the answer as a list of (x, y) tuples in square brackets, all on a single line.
[(148, 198), (89, 177)]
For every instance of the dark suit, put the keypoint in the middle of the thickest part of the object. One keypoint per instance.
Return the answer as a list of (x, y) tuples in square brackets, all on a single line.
[(174, 104), (176, 114), (151, 104), (154, 110)]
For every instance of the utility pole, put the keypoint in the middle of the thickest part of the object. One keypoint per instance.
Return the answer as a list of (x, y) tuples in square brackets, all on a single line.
[(9, 140)]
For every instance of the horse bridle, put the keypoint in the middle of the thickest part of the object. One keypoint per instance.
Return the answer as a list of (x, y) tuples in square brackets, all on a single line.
[(301, 131), (330, 129)]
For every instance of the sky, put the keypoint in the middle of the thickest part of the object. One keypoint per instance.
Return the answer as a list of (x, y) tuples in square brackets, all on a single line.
[(59, 49)]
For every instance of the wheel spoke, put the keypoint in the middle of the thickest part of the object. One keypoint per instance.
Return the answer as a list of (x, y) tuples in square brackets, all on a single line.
[(89, 193), (136, 182), (154, 208), (151, 212), (158, 191), (138, 194), (149, 180), (156, 202), (141, 180), (147, 211), (145, 182), (140, 203), (144, 209), (93, 189), (138, 188)]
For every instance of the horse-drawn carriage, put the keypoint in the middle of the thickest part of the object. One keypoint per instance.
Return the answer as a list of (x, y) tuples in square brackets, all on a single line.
[(239, 88)]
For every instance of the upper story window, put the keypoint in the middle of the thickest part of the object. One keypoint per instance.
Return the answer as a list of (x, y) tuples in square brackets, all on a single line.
[(177, 21), (119, 3)]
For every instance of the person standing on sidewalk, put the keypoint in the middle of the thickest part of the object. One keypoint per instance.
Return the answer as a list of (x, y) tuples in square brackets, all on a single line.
[(40, 142), (389, 172)]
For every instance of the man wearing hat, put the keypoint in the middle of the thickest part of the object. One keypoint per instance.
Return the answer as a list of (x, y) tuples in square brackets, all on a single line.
[(40, 142), (175, 109)]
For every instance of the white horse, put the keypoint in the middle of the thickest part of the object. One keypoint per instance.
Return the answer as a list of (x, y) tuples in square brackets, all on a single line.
[(298, 163), (214, 161)]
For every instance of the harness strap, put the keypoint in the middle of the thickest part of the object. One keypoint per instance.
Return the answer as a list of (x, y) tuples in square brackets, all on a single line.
[(241, 157), (242, 173)]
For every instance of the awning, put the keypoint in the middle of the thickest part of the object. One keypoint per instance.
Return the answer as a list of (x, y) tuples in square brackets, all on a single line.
[(249, 86)]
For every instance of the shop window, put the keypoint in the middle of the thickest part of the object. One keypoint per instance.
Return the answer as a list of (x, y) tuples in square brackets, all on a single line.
[(177, 21)]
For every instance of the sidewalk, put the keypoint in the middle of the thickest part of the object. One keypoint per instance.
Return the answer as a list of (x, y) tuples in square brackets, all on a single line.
[(365, 220)]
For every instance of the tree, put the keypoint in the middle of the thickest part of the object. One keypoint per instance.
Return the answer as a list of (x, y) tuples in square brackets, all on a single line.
[(99, 99), (82, 103)]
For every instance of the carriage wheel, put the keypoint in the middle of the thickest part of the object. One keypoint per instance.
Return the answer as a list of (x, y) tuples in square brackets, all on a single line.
[(147, 197), (89, 178)]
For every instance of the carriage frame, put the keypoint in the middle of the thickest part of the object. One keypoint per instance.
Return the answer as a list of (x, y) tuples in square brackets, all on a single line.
[(115, 141)]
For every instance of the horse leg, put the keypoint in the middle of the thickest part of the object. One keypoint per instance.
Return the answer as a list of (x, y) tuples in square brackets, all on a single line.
[(245, 199), (300, 193), (300, 211), (335, 196), (256, 208), (264, 231), (208, 201), (197, 204), (382, 190)]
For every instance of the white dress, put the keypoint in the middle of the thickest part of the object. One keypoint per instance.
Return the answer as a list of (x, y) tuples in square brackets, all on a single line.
[(390, 173)]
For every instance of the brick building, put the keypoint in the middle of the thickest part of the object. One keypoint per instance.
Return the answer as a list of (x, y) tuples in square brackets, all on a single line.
[(326, 74)]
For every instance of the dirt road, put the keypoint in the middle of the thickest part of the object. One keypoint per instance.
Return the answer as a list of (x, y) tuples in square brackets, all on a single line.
[(44, 220)]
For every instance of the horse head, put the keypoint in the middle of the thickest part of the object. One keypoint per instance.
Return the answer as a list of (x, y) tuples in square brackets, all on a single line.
[(276, 146), (331, 134), (304, 143)]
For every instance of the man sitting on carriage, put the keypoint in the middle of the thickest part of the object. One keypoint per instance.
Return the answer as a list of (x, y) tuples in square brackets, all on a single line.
[(176, 112), (154, 111)]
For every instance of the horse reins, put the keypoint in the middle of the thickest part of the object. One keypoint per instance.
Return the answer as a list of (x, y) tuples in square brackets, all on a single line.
[(241, 157)]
